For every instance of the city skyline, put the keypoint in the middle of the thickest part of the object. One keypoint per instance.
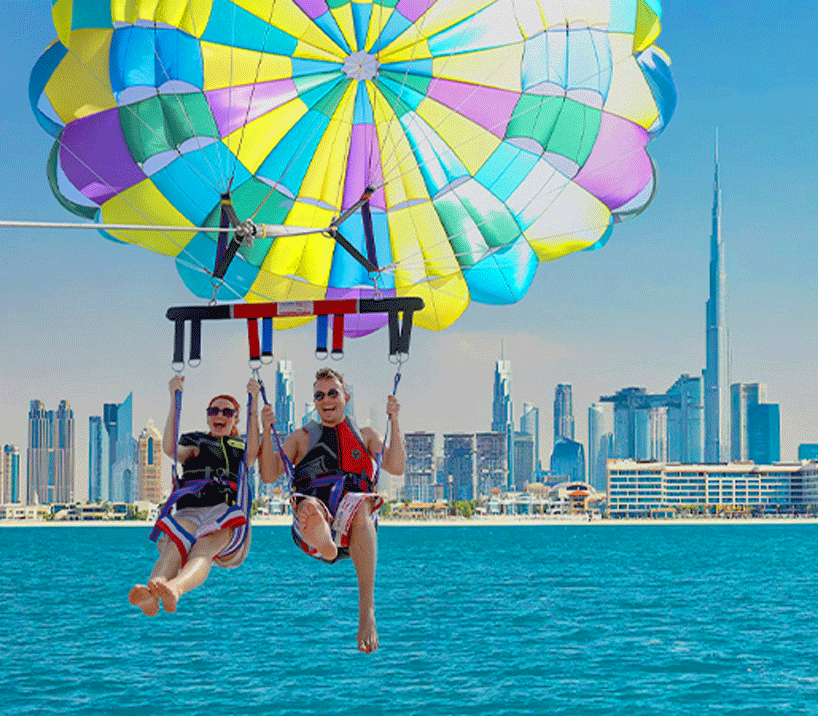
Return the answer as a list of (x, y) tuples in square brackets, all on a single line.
[(84, 318), (665, 428)]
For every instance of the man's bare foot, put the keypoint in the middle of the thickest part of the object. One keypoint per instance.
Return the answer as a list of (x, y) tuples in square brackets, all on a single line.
[(367, 633), (316, 531), (160, 588), (140, 596)]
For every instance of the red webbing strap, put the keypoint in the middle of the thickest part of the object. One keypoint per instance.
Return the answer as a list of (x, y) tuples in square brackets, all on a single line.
[(338, 335), (252, 339)]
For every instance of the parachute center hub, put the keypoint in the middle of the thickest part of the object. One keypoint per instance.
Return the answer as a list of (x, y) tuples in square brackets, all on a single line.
[(361, 66)]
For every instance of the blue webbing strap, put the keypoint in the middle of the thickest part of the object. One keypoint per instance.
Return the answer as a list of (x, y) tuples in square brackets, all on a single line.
[(266, 340), (244, 500), (321, 332), (288, 466), (174, 472), (379, 457), (177, 414)]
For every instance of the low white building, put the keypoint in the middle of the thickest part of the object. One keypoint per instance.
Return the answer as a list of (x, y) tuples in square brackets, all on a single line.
[(652, 489), (566, 498)]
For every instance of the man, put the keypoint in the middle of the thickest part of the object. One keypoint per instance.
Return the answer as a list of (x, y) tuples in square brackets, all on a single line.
[(334, 499)]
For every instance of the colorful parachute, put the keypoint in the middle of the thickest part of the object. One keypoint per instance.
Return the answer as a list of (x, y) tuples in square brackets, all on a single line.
[(491, 134)]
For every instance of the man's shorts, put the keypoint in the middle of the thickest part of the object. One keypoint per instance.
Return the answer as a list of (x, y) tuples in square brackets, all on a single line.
[(339, 523)]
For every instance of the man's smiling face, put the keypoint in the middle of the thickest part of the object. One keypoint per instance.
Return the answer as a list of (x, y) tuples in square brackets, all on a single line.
[(330, 400)]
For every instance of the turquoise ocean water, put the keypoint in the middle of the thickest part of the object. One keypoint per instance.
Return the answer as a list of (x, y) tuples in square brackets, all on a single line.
[(574, 619)]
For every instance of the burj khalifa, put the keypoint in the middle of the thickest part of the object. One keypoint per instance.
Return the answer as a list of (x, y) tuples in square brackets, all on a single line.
[(716, 374)]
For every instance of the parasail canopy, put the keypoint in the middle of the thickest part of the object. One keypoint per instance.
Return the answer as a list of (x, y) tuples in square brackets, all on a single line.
[(485, 136)]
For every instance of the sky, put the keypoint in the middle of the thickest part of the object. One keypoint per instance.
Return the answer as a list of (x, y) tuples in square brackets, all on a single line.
[(83, 319)]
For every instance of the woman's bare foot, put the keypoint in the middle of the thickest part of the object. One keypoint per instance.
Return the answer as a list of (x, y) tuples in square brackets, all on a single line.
[(161, 589), (140, 596), (367, 633), (316, 531)]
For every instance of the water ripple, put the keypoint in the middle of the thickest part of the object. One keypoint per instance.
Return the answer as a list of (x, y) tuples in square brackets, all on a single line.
[(573, 620)]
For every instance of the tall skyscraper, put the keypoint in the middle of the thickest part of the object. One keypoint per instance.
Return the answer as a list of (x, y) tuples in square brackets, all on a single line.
[(10, 472), (563, 413), (568, 459), (717, 369), (122, 475), (765, 433), (310, 413), (655, 434), (285, 403), (808, 451), (685, 427), (524, 465), (530, 425), (458, 466), (491, 462), (99, 468), (149, 445), (502, 413), (419, 473), (349, 410), (742, 396), (600, 443), (635, 422), (50, 454)]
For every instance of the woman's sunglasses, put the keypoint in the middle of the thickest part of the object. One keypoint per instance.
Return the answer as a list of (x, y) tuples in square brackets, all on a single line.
[(227, 412), (319, 394)]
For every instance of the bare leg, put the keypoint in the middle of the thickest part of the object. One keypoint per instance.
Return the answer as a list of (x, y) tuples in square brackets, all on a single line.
[(363, 549), (193, 574), (166, 567), (315, 528)]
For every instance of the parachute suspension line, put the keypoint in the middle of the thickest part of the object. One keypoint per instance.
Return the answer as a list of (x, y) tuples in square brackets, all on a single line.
[(371, 156), (393, 176), (135, 115), (165, 230), (305, 143), (393, 119), (253, 89), (417, 259), (230, 82), (218, 181)]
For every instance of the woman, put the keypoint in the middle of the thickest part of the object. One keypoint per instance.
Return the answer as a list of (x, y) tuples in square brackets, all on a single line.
[(202, 522)]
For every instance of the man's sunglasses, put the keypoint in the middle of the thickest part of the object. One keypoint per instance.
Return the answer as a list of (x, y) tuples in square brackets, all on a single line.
[(227, 412), (319, 394)]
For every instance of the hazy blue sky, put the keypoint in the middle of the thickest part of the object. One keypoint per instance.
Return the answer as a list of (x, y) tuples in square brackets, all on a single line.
[(83, 318)]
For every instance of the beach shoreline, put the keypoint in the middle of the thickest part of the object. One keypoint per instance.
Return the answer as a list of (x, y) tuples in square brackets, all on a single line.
[(493, 521)]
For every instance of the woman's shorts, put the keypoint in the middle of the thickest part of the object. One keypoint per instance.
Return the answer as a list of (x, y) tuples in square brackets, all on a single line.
[(206, 522)]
